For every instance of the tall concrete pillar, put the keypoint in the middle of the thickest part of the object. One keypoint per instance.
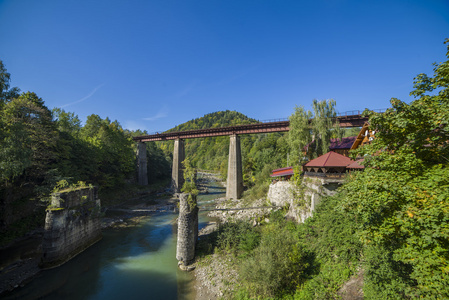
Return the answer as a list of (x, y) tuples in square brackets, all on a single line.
[(177, 174), (187, 230), (234, 187), (142, 173)]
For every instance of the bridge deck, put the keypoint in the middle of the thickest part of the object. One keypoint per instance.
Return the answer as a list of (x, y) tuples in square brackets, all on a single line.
[(356, 120)]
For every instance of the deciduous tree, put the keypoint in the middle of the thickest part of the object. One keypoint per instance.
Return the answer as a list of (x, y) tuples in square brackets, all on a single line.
[(310, 132), (402, 197)]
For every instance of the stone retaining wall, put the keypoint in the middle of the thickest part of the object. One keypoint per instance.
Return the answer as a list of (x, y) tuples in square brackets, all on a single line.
[(72, 224)]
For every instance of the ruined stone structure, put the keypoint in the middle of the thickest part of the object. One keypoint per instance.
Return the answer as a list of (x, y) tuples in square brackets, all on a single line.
[(187, 230), (72, 224)]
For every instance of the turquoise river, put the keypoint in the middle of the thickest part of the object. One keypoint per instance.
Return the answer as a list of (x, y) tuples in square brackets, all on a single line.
[(128, 263)]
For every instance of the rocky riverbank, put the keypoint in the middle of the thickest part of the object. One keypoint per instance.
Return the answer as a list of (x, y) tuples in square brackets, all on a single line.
[(234, 210), (217, 274), (20, 261)]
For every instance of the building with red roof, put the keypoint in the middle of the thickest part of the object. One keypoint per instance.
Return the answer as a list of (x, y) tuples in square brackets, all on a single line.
[(342, 146), (330, 164), (356, 165), (283, 173)]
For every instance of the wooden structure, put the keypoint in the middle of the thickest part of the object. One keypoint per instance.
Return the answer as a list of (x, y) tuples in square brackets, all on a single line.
[(364, 137)]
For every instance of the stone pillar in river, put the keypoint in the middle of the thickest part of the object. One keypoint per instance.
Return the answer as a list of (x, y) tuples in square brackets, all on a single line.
[(72, 224), (142, 171), (234, 186), (177, 175), (187, 230)]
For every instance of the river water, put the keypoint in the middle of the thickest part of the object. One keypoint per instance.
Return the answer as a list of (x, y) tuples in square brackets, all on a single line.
[(128, 263)]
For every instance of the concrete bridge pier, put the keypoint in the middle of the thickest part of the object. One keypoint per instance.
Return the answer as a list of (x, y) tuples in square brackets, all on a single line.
[(234, 186), (142, 171), (177, 175)]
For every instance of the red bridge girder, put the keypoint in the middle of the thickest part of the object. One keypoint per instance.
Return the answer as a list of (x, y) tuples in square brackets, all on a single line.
[(280, 126)]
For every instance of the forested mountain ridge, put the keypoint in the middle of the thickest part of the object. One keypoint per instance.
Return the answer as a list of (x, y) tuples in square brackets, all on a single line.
[(215, 120)]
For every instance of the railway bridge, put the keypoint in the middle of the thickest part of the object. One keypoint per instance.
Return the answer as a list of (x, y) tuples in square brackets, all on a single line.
[(234, 184)]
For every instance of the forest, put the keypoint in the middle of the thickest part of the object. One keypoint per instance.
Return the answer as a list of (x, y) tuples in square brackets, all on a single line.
[(40, 149)]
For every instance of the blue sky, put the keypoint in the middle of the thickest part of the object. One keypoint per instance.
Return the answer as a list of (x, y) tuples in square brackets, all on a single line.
[(158, 63)]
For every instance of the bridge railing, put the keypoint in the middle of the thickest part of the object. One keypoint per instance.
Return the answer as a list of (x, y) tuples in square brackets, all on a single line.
[(342, 114), (359, 112), (339, 114), (274, 120)]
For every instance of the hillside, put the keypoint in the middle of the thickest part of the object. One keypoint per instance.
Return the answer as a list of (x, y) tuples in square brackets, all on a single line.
[(214, 120), (260, 152)]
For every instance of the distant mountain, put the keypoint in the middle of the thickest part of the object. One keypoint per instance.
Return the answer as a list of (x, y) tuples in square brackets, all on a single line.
[(214, 120)]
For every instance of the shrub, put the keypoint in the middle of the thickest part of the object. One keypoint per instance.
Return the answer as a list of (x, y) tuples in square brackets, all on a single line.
[(325, 284), (237, 236), (277, 265)]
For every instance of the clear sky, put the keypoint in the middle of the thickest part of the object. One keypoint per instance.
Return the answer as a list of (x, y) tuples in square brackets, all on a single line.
[(153, 64)]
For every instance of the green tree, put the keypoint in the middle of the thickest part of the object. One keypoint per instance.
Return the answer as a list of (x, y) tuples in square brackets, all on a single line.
[(6, 92), (29, 138), (407, 218), (189, 185), (112, 151), (299, 135), (279, 263), (67, 121), (330, 235), (310, 132), (324, 126), (76, 157)]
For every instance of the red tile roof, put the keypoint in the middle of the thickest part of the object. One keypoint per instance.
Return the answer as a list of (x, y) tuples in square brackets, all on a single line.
[(282, 172), (356, 165), (344, 143), (330, 159)]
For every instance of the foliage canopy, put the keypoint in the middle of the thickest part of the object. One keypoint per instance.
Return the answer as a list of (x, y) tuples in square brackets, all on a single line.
[(408, 217), (310, 132)]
